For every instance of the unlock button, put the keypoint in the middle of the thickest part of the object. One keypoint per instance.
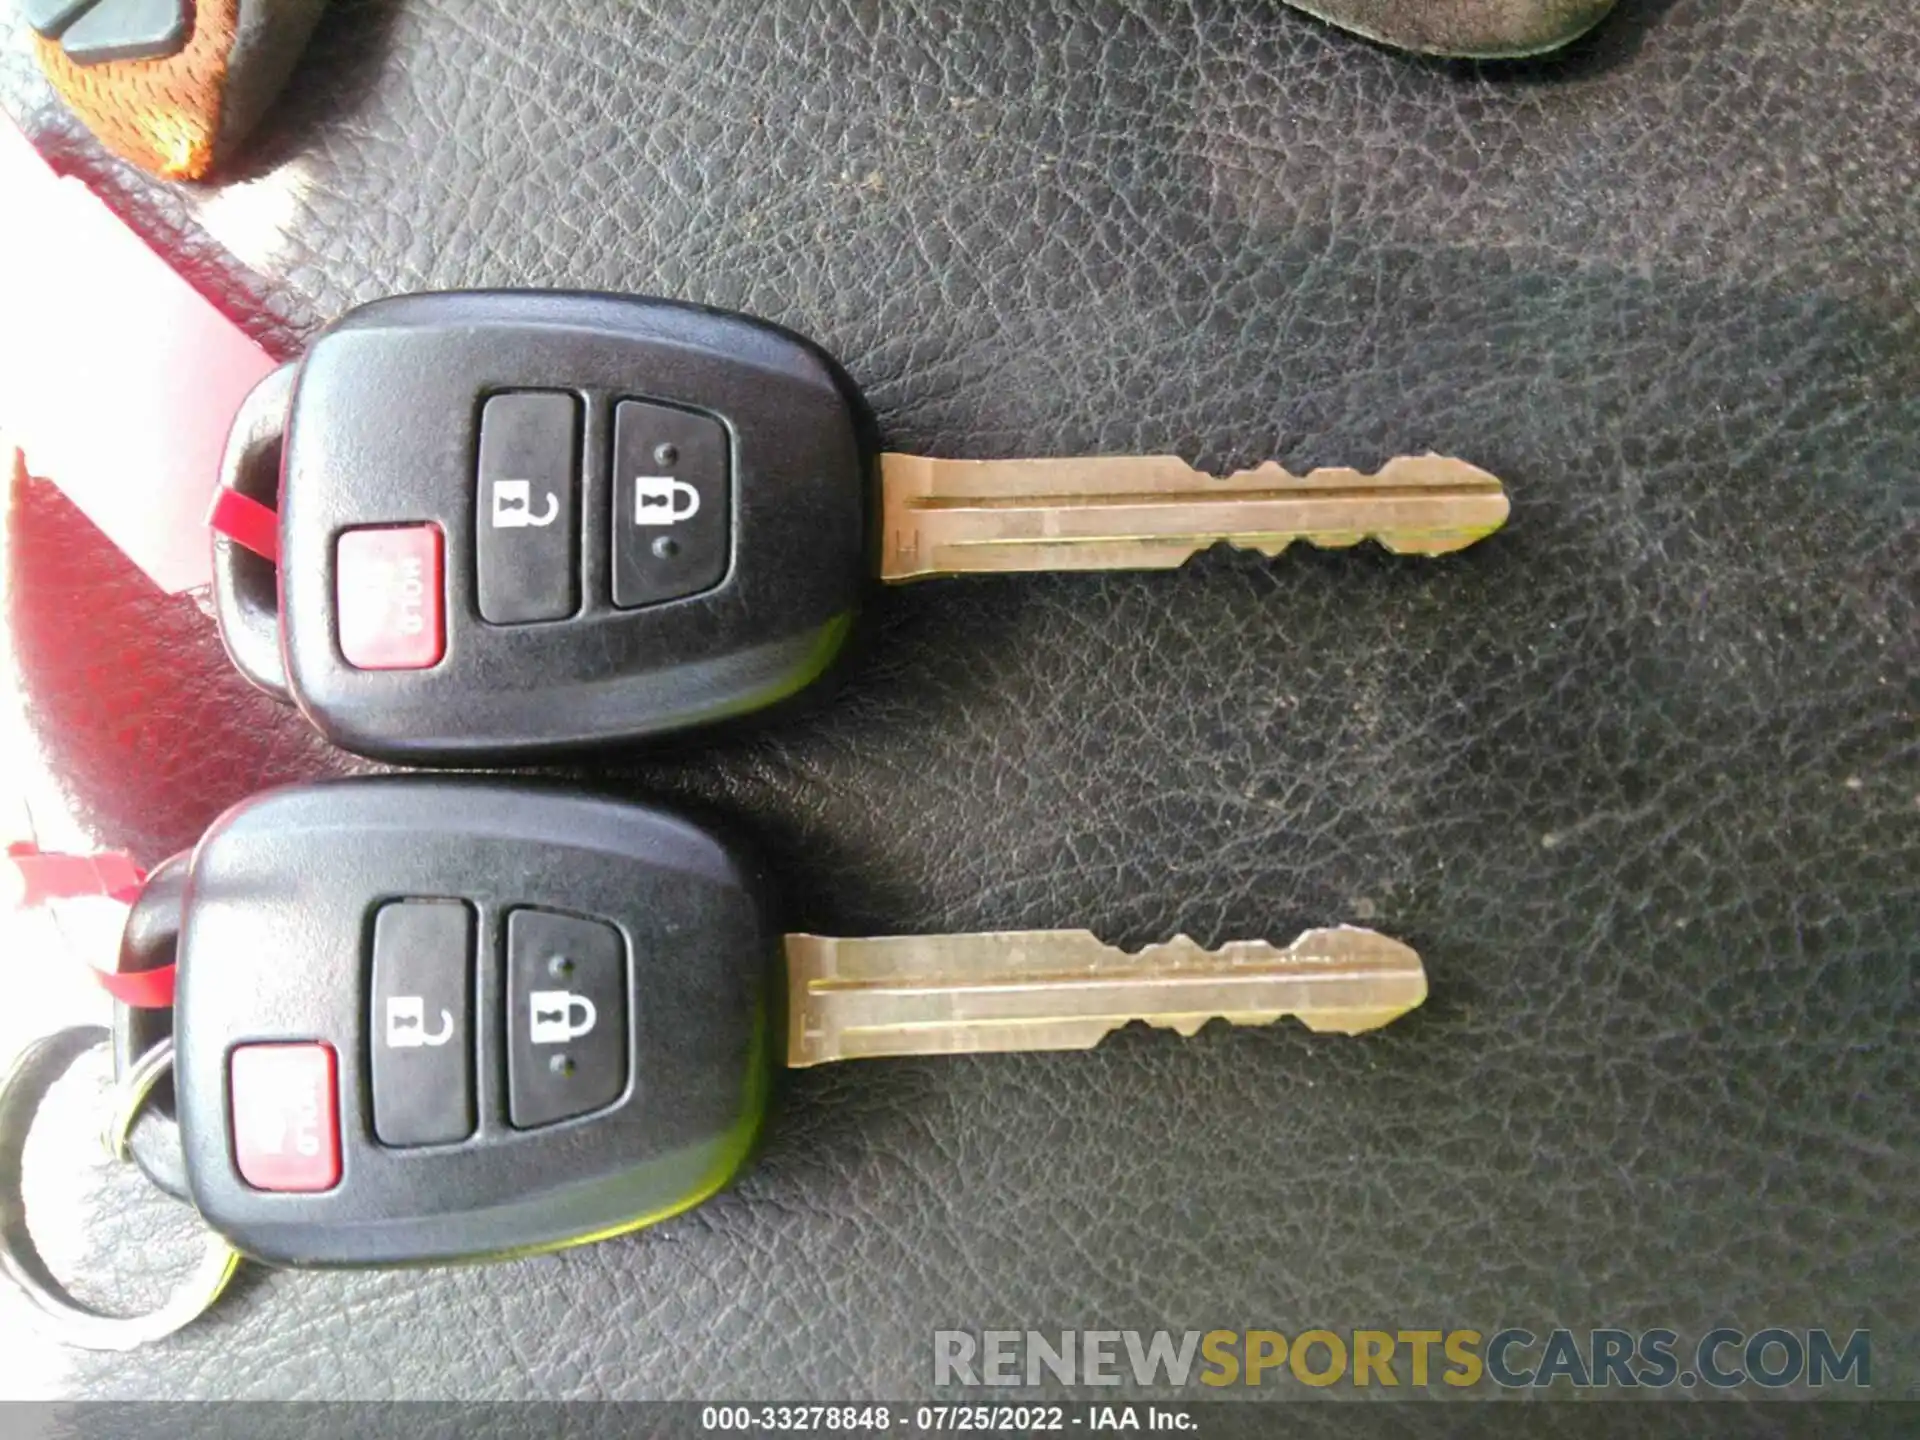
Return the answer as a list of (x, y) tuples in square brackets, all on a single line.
[(566, 1017), (527, 509), (420, 1022)]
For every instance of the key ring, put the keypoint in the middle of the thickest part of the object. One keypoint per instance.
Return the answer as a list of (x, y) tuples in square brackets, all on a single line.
[(22, 1092), (133, 1091)]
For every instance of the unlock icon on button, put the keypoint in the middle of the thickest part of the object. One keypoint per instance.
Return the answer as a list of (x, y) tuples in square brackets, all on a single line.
[(513, 506)]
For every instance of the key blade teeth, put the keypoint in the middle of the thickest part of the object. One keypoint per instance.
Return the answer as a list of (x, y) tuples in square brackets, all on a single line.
[(1064, 989), (1155, 512)]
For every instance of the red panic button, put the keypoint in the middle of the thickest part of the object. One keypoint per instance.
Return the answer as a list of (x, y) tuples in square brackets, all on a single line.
[(387, 592), (286, 1117)]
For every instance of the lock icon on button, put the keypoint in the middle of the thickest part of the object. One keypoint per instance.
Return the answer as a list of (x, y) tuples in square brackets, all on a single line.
[(550, 1016), (657, 500)]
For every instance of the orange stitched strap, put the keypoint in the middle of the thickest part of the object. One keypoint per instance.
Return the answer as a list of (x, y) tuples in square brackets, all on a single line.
[(163, 115)]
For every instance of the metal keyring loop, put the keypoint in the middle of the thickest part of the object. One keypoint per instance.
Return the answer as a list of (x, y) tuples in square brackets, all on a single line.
[(22, 1092), (133, 1092)]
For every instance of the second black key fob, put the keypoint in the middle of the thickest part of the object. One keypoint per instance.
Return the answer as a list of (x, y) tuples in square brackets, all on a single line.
[(435, 1019)]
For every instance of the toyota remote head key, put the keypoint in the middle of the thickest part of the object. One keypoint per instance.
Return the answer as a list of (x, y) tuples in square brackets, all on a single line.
[(512, 523), (429, 1019), (424, 1019)]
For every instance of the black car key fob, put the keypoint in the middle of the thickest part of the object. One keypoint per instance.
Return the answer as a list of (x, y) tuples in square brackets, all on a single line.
[(522, 522), (425, 1019)]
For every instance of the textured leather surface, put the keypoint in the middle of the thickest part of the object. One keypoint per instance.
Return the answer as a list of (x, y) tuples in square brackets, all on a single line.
[(1481, 29), (1637, 776)]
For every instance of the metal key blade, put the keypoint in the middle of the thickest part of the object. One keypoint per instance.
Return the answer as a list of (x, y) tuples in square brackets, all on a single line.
[(1064, 989), (1153, 512)]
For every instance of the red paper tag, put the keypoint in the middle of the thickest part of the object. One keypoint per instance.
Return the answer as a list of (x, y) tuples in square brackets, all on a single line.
[(39, 876), (117, 378), (31, 877)]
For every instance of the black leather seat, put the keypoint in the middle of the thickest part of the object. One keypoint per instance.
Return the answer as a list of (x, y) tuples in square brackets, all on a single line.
[(1637, 776)]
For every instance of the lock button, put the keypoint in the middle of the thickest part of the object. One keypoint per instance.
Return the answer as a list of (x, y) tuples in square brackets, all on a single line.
[(566, 1017), (672, 504), (527, 508)]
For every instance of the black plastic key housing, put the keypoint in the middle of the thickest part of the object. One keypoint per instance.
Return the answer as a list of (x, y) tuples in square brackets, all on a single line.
[(524, 522), (427, 1019)]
